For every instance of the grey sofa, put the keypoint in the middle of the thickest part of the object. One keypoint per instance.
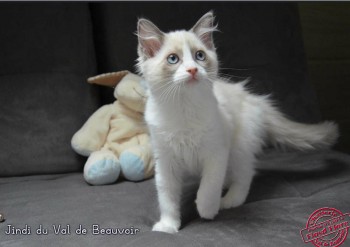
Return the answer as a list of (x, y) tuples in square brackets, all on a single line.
[(47, 50)]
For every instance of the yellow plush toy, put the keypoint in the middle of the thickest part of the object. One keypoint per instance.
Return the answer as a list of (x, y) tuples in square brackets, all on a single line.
[(115, 137)]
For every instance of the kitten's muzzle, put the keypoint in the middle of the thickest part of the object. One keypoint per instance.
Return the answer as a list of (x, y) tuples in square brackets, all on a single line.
[(193, 71)]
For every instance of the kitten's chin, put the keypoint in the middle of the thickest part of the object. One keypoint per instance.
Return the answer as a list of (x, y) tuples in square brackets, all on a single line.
[(192, 81)]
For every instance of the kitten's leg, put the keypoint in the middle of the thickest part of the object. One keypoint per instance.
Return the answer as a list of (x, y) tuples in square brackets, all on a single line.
[(169, 193), (241, 175), (210, 188)]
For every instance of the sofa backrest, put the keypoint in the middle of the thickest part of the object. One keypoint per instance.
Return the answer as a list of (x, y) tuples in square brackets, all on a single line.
[(46, 54), (47, 50)]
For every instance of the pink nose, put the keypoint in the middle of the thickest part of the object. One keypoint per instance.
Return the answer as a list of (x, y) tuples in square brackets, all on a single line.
[(192, 71)]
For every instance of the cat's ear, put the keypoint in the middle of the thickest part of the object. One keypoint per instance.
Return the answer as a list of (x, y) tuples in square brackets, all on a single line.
[(150, 38), (204, 29)]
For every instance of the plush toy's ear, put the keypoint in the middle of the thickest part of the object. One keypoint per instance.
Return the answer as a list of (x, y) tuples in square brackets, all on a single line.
[(108, 79)]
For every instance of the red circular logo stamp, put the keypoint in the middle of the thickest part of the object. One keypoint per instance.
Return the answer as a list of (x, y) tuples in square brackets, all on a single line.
[(326, 227)]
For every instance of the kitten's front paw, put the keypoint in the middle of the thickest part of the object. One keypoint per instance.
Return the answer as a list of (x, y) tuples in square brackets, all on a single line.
[(207, 210), (165, 226), (228, 202)]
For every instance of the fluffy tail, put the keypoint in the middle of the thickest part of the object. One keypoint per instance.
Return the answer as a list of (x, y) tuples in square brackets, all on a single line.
[(284, 132)]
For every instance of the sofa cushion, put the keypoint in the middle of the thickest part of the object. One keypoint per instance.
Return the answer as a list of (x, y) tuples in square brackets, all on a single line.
[(287, 189), (46, 55)]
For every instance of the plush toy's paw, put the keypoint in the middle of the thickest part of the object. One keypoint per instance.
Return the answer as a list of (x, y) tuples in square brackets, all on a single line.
[(132, 166), (79, 148), (83, 144), (166, 226), (102, 167)]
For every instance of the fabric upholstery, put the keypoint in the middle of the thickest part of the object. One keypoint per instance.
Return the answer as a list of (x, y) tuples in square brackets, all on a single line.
[(46, 55), (287, 189)]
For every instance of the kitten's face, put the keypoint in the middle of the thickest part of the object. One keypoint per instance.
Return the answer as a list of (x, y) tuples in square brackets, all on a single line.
[(185, 58)]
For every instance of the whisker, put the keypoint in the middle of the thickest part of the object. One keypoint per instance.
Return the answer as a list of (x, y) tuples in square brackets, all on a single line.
[(167, 93), (172, 92), (221, 74), (230, 76), (179, 91), (239, 69)]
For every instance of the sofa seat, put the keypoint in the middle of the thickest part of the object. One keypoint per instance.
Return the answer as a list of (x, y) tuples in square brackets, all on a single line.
[(288, 187)]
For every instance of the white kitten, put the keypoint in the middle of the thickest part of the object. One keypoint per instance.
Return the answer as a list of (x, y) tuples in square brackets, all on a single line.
[(202, 126)]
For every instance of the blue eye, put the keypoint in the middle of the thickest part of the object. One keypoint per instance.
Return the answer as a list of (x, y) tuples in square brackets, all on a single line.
[(173, 59), (200, 55)]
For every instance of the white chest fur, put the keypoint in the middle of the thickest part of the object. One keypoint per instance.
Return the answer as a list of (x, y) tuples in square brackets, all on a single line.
[(181, 130)]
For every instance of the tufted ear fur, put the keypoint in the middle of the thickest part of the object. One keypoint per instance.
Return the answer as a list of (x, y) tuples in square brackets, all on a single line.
[(204, 29), (150, 38)]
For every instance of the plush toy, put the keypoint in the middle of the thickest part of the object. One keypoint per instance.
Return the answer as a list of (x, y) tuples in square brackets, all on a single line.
[(115, 137)]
